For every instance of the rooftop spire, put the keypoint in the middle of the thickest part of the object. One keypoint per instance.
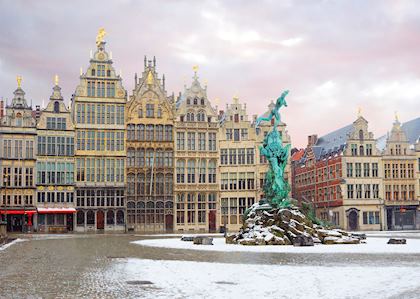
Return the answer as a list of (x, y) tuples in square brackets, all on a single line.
[(56, 95)]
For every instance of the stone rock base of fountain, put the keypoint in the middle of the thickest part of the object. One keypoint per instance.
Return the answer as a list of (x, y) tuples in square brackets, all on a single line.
[(285, 226)]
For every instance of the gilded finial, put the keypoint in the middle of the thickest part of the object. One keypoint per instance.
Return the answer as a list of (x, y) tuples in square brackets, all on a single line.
[(397, 119), (195, 68), (100, 36), (19, 81), (56, 80), (359, 112)]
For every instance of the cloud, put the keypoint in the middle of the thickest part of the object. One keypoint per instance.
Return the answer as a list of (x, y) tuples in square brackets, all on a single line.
[(332, 56)]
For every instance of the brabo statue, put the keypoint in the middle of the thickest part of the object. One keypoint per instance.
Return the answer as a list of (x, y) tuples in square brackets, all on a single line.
[(276, 189)]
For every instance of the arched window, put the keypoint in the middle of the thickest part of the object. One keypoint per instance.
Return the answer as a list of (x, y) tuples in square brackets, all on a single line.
[(180, 171), (141, 205), (140, 184), (56, 107), (120, 217), (90, 217), (188, 101), (131, 205), (191, 171), (18, 119), (202, 101), (361, 150), (80, 218), (195, 101), (191, 116), (169, 184), (110, 217), (361, 135)]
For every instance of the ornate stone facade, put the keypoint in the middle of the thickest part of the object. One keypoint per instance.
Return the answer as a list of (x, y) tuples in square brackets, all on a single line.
[(238, 147), (98, 110), (17, 163), (150, 152), (196, 160), (55, 166), (400, 183)]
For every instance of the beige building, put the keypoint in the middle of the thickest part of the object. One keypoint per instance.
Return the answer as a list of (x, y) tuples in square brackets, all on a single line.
[(242, 169), (55, 166), (196, 160), (362, 172), (98, 111), (17, 163), (400, 181), (150, 152)]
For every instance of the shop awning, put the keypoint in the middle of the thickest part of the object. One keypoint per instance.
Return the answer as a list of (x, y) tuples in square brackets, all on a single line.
[(56, 210), (18, 212)]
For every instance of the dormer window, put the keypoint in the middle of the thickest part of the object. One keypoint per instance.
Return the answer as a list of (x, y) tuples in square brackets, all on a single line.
[(188, 102), (56, 107), (93, 72), (108, 73), (361, 135), (202, 101), (19, 119), (140, 113), (195, 101), (159, 112)]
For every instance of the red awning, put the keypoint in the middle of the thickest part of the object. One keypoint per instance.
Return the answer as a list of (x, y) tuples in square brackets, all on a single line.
[(18, 212), (56, 210)]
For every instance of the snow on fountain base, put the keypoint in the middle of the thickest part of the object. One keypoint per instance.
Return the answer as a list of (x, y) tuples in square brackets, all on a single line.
[(285, 226)]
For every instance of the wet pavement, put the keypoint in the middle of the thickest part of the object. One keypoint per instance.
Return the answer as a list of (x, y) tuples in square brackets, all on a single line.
[(75, 266)]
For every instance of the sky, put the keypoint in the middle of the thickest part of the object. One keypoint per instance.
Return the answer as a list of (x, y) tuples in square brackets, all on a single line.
[(333, 56)]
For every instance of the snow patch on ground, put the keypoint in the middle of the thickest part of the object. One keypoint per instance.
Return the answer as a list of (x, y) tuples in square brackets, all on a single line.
[(372, 246), (185, 279), (5, 246)]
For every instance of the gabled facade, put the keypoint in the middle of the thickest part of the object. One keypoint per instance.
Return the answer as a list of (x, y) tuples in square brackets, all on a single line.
[(17, 163), (55, 166), (150, 154), (196, 160), (238, 165), (98, 111), (340, 174), (400, 181)]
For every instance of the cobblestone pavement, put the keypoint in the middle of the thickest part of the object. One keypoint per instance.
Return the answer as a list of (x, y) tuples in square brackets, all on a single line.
[(72, 266)]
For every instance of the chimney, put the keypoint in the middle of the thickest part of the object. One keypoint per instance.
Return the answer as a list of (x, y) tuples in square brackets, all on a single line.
[(312, 139)]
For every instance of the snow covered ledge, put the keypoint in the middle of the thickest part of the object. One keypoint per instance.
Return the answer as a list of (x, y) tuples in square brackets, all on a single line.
[(372, 246)]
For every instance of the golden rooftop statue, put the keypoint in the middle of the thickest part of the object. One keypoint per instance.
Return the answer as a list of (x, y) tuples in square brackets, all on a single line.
[(56, 80), (195, 68), (359, 112), (19, 81), (397, 119), (100, 36), (150, 78)]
